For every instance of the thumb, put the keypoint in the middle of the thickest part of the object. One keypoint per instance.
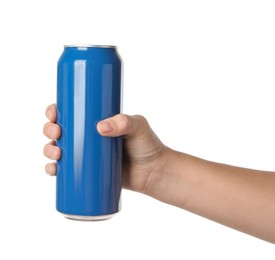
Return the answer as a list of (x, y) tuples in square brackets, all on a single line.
[(122, 124)]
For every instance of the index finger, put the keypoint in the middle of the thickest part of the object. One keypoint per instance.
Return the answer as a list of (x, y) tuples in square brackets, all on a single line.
[(51, 113)]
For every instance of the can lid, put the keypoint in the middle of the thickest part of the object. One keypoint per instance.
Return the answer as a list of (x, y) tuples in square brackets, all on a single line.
[(89, 46)]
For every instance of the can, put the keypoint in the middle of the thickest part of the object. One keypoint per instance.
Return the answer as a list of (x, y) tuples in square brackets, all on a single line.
[(89, 171)]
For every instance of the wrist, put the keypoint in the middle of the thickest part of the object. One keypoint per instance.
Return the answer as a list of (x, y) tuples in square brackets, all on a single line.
[(166, 177)]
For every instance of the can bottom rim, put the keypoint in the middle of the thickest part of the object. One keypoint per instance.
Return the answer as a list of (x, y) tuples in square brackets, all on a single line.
[(88, 218)]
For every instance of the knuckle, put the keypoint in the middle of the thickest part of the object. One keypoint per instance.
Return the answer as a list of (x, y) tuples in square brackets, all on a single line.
[(124, 121), (142, 121)]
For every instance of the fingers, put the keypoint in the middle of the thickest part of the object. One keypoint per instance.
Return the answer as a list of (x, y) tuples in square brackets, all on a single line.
[(51, 113), (52, 151), (50, 169), (52, 130), (123, 125)]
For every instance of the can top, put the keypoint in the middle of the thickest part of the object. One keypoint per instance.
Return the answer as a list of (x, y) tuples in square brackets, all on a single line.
[(89, 46)]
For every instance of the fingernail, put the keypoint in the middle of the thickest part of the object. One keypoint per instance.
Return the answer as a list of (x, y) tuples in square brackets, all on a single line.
[(47, 168), (105, 127), (56, 152), (48, 113)]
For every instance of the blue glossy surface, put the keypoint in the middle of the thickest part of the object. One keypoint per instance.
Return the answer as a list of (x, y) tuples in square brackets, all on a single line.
[(89, 171)]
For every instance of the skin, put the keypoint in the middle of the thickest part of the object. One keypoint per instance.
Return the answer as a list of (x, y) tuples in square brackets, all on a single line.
[(240, 198)]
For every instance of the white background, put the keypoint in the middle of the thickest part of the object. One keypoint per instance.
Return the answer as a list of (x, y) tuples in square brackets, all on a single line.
[(202, 72)]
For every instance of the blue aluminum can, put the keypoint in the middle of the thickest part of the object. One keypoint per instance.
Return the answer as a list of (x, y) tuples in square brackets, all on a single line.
[(90, 168)]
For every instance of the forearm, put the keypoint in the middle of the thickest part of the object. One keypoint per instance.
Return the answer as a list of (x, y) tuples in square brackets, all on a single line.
[(240, 198)]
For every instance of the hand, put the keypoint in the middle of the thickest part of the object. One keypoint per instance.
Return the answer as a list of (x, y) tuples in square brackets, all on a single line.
[(143, 155), (179, 179)]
